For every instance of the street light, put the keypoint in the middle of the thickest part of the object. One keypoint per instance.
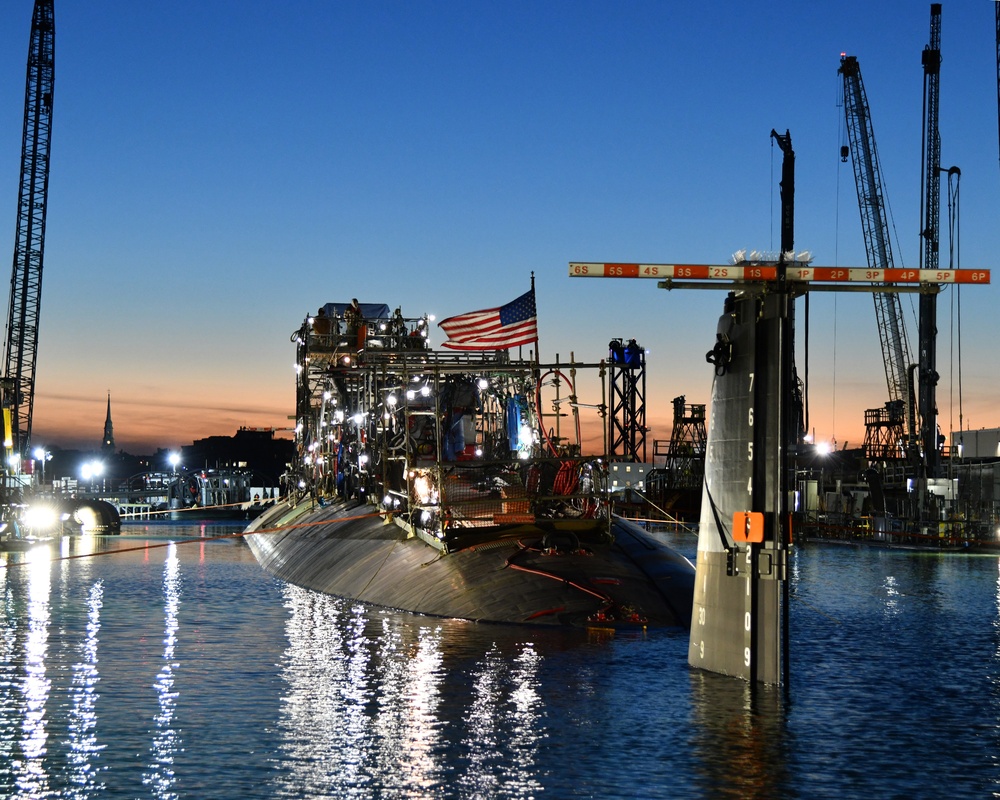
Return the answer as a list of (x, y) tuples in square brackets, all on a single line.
[(174, 459), (90, 470)]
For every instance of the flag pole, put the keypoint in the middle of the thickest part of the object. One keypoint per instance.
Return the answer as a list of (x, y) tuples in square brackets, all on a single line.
[(538, 352)]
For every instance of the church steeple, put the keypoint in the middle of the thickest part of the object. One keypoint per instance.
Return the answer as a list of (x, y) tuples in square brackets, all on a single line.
[(108, 445)]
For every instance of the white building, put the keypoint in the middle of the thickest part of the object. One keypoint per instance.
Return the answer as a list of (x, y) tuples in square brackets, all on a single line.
[(984, 443)]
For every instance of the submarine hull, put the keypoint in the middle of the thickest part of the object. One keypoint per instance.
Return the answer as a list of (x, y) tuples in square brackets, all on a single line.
[(552, 572)]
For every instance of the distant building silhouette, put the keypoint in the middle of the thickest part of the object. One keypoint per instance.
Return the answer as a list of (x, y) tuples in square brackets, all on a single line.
[(108, 444), (254, 449), (251, 448)]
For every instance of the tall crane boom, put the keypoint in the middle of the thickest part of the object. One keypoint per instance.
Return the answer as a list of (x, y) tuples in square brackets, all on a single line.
[(21, 347), (931, 205), (874, 223), (930, 212)]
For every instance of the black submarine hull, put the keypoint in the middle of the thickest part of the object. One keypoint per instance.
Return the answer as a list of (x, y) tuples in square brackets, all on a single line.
[(553, 572)]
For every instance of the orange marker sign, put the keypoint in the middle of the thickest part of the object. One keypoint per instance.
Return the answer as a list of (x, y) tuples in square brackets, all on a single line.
[(748, 526)]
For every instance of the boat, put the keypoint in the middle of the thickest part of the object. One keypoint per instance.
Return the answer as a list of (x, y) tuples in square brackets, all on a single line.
[(446, 483)]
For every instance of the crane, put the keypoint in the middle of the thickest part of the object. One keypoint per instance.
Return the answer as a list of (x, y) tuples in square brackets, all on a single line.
[(930, 212), (21, 344), (874, 222)]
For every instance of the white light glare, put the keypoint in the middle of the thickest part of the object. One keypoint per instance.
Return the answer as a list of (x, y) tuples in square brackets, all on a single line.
[(39, 518)]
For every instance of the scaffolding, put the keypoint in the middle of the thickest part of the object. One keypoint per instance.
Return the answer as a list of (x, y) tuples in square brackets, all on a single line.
[(885, 432), (685, 462), (627, 421)]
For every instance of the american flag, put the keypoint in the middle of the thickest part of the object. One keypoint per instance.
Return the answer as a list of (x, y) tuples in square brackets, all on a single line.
[(494, 328)]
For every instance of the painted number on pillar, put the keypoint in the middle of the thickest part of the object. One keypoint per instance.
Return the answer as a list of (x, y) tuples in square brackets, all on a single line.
[(701, 615), (746, 656)]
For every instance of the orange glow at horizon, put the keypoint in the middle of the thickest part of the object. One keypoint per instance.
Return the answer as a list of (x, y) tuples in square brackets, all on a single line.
[(146, 420), (142, 427)]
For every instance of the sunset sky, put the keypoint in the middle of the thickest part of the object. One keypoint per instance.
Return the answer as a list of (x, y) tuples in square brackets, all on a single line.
[(220, 169)]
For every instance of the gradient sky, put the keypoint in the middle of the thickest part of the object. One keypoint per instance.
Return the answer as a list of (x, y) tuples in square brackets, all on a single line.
[(220, 169)]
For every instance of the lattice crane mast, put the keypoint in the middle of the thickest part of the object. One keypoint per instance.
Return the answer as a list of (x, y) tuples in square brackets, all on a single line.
[(875, 225), (21, 345), (930, 213)]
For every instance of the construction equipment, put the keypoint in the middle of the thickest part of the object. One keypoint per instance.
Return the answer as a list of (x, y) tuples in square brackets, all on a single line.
[(884, 430), (930, 212), (21, 345)]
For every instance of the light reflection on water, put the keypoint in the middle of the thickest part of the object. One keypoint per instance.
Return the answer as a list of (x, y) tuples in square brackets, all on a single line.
[(374, 684), (184, 671), (30, 774), (160, 774), (81, 724), (504, 699)]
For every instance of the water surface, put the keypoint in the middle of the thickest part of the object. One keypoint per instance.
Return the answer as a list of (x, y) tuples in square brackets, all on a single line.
[(183, 671)]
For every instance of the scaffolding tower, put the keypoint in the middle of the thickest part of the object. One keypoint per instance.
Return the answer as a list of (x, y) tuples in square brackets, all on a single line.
[(627, 421), (685, 463), (885, 432)]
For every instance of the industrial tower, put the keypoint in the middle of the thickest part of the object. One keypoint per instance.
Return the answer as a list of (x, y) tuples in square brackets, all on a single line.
[(886, 430), (627, 421), (931, 211), (21, 346)]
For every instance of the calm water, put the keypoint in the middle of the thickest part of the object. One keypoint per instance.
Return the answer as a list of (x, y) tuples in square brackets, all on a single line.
[(184, 671)]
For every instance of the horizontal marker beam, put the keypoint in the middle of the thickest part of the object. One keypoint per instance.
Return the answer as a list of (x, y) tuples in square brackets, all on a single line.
[(769, 272)]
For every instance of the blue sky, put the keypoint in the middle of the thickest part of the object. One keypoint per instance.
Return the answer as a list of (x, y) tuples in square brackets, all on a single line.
[(220, 169)]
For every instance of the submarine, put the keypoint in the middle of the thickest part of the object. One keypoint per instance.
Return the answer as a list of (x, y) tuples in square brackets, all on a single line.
[(453, 483)]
